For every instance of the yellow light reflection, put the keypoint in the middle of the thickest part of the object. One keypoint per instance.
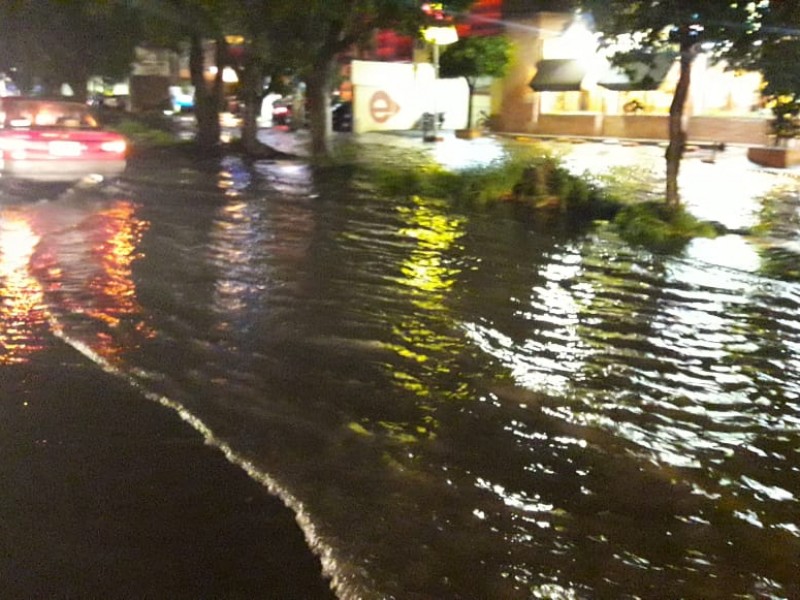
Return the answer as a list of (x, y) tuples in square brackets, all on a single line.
[(426, 351), (425, 270), (22, 307)]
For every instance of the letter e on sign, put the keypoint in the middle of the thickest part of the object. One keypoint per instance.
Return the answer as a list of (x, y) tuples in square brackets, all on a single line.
[(382, 107)]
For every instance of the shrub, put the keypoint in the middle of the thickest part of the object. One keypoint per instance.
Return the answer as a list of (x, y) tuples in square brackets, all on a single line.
[(659, 227)]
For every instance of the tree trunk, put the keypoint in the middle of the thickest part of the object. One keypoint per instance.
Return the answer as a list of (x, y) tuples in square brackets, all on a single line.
[(206, 101), (78, 82), (677, 134), (251, 98), (471, 86), (319, 91)]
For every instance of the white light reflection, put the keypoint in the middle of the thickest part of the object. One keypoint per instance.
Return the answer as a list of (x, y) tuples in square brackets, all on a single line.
[(726, 191), (454, 154), (527, 369), (522, 502), (771, 491), (553, 591), (729, 251), (553, 351), (749, 516), (790, 527), (21, 295), (290, 178)]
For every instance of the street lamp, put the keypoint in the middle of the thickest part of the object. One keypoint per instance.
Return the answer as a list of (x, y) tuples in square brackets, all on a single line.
[(438, 35)]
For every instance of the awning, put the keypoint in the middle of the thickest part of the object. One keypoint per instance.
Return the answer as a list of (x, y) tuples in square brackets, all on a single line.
[(638, 75), (558, 75)]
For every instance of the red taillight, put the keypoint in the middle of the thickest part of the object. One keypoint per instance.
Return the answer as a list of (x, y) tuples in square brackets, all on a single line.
[(280, 110)]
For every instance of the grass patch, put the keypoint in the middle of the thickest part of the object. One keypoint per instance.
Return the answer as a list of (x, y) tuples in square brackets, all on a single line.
[(547, 184), (474, 184), (779, 215), (486, 183), (659, 227), (550, 192), (628, 184), (780, 263), (778, 228), (535, 181)]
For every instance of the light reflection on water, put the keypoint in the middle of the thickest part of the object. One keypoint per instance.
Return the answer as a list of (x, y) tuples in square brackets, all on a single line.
[(62, 263), (21, 307), (462, 406)]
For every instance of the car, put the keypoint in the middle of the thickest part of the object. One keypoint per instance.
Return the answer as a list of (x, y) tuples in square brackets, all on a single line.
[(55, 140), (342, 116)]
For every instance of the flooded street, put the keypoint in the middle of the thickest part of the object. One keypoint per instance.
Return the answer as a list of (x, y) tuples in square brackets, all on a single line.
[(455, 403)]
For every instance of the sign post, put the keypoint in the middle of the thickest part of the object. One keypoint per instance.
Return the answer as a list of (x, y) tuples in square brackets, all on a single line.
[(436, 36)]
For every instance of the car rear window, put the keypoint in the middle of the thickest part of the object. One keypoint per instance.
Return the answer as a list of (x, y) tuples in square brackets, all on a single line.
[(37, 113)]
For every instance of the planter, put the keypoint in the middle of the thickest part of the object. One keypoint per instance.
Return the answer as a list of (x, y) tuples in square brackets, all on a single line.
[(775, 157), (468, 134)]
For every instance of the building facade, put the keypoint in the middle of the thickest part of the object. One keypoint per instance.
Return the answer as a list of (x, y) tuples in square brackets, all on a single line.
[(560, 85)]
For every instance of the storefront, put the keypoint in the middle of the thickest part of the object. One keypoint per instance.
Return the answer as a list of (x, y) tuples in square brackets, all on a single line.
[(559, 85)]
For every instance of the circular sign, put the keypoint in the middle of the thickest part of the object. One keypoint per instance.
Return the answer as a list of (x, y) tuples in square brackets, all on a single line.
[(382, 107)]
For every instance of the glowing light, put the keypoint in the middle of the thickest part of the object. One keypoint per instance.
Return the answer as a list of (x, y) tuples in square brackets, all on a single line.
[(228, 74), (116, 147), (440, 36)]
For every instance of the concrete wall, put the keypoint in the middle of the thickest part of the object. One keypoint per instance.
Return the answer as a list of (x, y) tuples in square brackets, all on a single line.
[(653, 127), (578, 124), (393, 96), (733, 130)]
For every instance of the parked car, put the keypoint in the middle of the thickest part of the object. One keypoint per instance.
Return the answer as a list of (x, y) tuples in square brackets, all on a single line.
[(282, 111), (56, 141), (342, 116)]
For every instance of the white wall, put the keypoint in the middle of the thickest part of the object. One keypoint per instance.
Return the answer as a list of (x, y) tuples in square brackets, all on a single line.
[(393, 96)]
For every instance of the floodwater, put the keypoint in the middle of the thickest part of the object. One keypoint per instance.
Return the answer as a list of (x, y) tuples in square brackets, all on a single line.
[(457, 403)]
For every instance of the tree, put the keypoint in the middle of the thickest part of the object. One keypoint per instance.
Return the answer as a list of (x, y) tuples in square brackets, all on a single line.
[(50, 42), (777, 48), (721, 27), (255, 21), (474, 57), (204, 24), (316, 35), (177, 24)]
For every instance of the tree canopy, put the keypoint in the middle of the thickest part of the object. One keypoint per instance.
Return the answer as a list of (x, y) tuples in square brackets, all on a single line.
[(475, 57), (315, 36), (776, 48)]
